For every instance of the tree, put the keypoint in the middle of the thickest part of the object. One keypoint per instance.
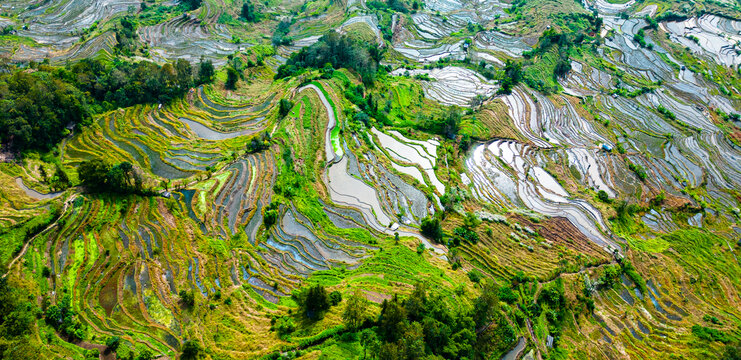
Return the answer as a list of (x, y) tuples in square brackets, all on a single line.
[(92, 173), (232, 76), (206, 72), (369, 341), (192, 4), (187, 298), (512, 76), (280, 36), (431, 228), (36, 107), (113, 343), (392, 319), (60, 180), (191, 350), (184, 74), (249, 13), (355, 310), (335, 297), (270, 218), (486, 306), (314, 301), (417, 302), (284, 107)]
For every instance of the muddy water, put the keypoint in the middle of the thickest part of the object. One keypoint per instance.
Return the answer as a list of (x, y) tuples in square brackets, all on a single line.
[(35, 194)]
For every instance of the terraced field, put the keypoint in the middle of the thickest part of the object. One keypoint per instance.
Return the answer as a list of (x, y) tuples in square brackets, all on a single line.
[(569, 170)]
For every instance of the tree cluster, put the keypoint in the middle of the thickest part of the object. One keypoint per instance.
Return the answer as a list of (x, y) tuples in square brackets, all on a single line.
[(192, 4), (17, 320), (422, 326), (258, 143), (64, 318), (280, 36), (100, 176), (249, 13), (340, 51), (122, 84), (36, 107), (314, 301)]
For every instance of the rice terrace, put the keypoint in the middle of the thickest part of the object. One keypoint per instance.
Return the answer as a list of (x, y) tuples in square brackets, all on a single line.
[(370, 179)]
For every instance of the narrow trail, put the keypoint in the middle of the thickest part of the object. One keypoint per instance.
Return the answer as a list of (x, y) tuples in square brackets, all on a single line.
[(29, 241)]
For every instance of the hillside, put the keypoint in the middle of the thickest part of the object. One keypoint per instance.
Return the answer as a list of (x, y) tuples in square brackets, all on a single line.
[(401, 179)]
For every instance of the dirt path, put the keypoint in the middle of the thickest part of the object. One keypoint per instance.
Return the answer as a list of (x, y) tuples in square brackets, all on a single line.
[(533, 338), (25, 246)]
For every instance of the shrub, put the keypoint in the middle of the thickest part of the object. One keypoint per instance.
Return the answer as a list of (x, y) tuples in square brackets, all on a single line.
[(271, 217), (475, 276), (284, 326), (710, 334), (335, 297), (113, 342), (191, 350), (284, 107), (431, 228), (187, 298)]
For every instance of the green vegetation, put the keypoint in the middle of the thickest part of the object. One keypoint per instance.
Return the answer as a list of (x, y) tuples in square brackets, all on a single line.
[(709, 334), (313, 301), (340, 51), (36, 108), (97, 175), (257, 248), (431, 228), (17, 319), (249, 13)]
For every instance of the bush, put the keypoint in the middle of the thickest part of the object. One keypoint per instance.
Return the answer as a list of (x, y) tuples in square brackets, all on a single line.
[(475, 276), (431, 229), (313, 301), (191, 350), (666, 112), (284, 107), (603, 196), (113, 343), (462, 233), (271, 217), (187, 298), (710, 334), (639, 171)]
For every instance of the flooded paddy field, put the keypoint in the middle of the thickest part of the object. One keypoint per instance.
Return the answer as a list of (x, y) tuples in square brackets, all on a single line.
[(600, 204)]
